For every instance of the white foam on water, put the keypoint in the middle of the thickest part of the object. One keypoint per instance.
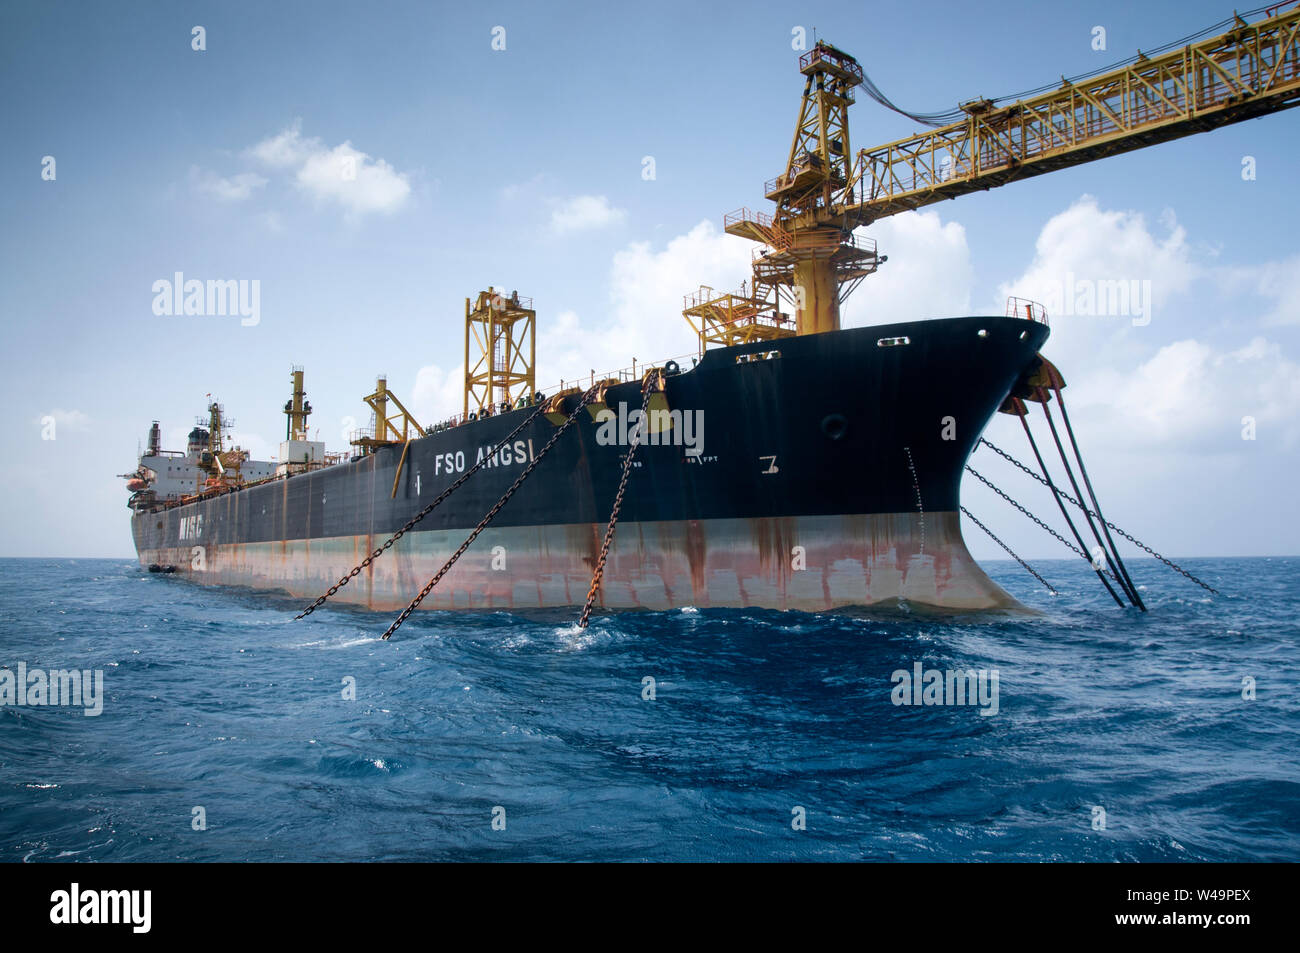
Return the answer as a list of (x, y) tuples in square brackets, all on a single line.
[(574, 638), (349, 643)]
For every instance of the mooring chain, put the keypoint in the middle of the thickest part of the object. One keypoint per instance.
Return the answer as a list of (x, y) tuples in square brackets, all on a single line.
[(983, 479), (1050, 587), (417, 517), (1119, 572), (491, 514), (613, 513), (1136, 542)]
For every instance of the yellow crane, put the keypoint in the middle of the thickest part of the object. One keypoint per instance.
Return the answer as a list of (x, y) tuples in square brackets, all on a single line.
[(808, 253)]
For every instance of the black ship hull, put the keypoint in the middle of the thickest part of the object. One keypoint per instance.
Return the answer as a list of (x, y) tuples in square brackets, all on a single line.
[(828, 474)]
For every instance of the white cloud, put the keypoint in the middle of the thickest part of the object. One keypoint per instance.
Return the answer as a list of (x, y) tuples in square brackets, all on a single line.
[(1142, 387), (270, 221), (585, 212), (258, 447), (928, 274), (647, 288), (235, 188), (1191, 395), (438, 394), (285, 149), (1278, 282), (341, 174), (644, 321), (1086, 246)]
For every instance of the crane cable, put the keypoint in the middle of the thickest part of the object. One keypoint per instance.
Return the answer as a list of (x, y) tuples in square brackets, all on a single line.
[(948, 117)]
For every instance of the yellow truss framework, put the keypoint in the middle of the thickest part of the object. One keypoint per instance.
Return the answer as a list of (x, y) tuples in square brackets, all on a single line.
[(726, 318), (503, 332), (1252, 70), (819, 164)]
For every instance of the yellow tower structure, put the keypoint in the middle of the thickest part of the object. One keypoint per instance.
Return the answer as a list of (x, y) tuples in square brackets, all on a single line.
[(811, 253), (400, 427), (296, 409), (500, 338), (222, 466)]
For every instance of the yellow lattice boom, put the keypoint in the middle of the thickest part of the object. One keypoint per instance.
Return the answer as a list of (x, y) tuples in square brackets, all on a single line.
[(1252, 70)]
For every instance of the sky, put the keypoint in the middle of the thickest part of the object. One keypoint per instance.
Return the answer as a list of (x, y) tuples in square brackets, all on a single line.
[(524, 167)]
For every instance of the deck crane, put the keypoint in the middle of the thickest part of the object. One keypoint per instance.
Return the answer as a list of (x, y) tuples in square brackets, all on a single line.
[(808, 250)]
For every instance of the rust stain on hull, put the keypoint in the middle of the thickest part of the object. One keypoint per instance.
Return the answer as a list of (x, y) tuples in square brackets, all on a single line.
[(851, 561)]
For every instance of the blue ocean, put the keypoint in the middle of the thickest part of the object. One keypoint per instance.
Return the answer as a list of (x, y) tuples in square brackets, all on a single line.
[(228, 731)]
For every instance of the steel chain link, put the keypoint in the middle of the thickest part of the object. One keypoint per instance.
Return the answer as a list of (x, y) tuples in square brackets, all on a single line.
[(1136, 542), (491, 515), (1050, 587), (418, 516), (613, 514)]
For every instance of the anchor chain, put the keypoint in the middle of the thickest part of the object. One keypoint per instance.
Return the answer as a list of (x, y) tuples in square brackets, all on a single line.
[(1119, 572), (613, 513), (491, 514), (983, 479), (1136, 542), (417, 517), (1032, 572)]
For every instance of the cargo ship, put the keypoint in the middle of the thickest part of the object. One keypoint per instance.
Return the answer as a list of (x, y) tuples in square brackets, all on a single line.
[(821, 478), (823, 466)]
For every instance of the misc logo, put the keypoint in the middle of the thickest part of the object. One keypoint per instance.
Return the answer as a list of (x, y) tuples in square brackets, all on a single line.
[(37, 687), (933, 686), (679, 428), (1106, 297), (133, 907), (241, 297)]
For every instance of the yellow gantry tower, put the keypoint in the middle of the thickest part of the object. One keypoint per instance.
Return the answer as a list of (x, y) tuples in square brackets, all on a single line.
[(810, 252), (500, 340)]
